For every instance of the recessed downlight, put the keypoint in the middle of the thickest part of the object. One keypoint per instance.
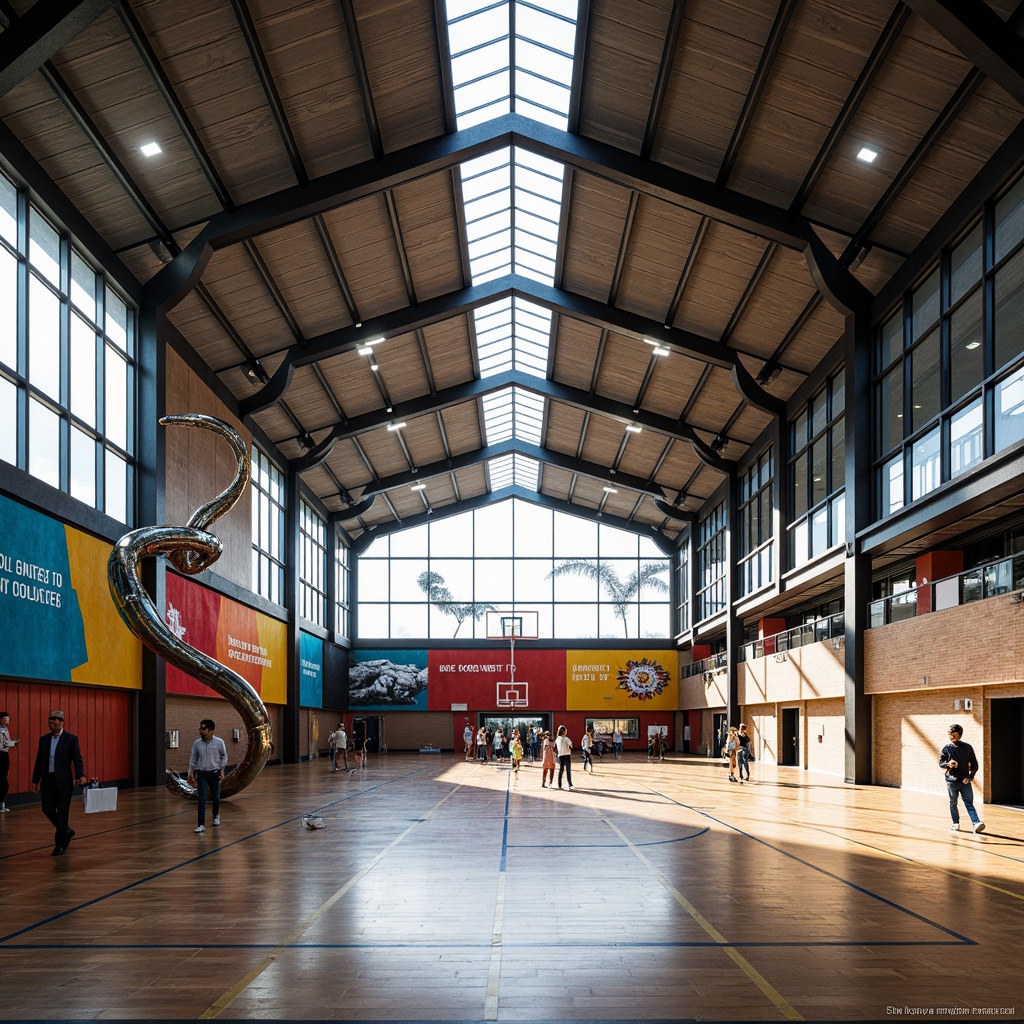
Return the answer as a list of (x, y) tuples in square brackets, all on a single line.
[(150, 148), (867, 155)]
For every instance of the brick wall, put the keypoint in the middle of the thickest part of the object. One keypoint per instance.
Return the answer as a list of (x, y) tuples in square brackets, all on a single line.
[(804, 673), (185, 714)]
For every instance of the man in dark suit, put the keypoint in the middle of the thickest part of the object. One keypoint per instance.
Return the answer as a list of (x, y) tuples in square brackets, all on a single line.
[(53, 779)]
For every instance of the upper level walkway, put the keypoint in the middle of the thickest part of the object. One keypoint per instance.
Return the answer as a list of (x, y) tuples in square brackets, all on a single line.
[(446, 890)]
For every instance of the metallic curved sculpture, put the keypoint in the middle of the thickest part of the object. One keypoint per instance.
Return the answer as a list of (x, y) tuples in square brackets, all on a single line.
[(191, 549)]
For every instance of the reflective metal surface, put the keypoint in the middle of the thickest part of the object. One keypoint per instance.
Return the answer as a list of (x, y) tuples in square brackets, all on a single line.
[(191, 549)]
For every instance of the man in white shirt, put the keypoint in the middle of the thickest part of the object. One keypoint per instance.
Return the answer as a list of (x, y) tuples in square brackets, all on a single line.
[(206, 766), (6, 743)]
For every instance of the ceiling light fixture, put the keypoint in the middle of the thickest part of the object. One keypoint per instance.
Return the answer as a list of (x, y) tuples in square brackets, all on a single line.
[(396, 426), (867, 155), (719, 444), (254, 371), (418, 487), (611, 490), (364, 350), (633, 428), (972, 345), (374, 367), (769, 374), (306, 440), (150, 148), (659, 349)]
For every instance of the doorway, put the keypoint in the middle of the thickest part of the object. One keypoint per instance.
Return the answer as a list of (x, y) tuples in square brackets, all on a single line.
[(790, 737), (1007, 728), (508, 723), (371, 731), (719, 734)]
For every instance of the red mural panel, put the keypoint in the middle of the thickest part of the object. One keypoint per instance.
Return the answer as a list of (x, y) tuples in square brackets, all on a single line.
[(481, 679), (101, 719)]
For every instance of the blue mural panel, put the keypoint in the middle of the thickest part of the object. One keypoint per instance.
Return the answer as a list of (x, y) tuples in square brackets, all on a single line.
[(311, 671), (43, 630), (387, 680)]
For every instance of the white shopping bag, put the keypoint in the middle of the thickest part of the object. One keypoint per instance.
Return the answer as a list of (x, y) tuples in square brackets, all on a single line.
[(97, 800)]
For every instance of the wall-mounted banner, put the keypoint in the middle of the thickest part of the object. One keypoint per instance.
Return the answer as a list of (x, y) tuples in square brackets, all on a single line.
[(621, 680), (387, 680), (58, 620), (311, 671), (247, 641), (483, 679)]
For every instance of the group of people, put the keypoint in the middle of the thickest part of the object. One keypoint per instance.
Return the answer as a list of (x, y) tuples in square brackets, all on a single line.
[(59, 767), (740, 752), (495, 745)]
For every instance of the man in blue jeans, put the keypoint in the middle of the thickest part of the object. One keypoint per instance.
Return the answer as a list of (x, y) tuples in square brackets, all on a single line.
[(961, 765), (206, 767)]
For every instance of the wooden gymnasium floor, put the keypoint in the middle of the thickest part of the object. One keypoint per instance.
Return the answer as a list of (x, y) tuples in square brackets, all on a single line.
[(447, 891)]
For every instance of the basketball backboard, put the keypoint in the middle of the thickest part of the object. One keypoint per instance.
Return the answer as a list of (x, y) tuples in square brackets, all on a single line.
[(512, 625)]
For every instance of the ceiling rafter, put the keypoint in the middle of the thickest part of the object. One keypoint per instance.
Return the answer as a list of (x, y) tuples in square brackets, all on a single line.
[(675, 26), (43, 31), (513, 446), (559, 301), (369, 178), (266, 78), (760, 80), (355, 46), (981, 36), (475, 390)]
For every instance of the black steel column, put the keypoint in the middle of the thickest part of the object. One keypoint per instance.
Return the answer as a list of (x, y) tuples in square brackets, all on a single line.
[(733, 627), (857, 570), (151, 366), (287, 744)]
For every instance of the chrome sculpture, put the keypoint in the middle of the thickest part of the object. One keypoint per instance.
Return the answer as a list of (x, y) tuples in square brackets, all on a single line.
[(191, 549)]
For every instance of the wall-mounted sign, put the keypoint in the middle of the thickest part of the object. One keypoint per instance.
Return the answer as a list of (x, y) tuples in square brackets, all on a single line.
[(621, 680), (57, 615), (247, 641), (311, 671)]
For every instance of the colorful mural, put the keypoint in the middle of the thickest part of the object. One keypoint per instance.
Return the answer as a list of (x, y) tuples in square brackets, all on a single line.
[(482, 679), (54, 596), (387, 680), (311, 671), (627, 680), (247, 641)]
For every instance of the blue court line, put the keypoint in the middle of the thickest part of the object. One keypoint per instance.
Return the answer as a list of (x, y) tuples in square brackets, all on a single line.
[(192, 860), (814, 867), (611, 944)]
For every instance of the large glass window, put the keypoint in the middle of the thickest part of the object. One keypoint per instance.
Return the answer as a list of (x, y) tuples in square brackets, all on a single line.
[(312, 566), (818, 471), (756, 510), (585, 580), (267, 483), (711, 564), (683, 588), (932, 396), (67, 409), (342, 589)]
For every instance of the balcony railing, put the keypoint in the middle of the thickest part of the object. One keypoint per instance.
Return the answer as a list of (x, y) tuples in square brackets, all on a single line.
[(1002, 577), (706, 665), (799, 636)]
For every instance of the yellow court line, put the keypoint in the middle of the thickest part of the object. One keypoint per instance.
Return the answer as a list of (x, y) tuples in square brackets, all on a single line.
[(218, 1007), (734, 954)]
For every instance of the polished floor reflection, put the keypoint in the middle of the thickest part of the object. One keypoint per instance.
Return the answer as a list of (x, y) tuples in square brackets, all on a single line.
[(446, 890)]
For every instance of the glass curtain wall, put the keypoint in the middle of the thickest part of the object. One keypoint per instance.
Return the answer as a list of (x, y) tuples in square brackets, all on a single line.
[(756, 516), (817, 470), (67, 366), (267, 489), (585, 579), (312, 566), (949, 380)]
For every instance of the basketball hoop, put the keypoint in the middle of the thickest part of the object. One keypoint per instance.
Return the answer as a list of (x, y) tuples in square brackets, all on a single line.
[(512, 626)]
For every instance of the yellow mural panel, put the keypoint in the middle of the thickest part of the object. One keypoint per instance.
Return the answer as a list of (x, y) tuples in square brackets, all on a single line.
[(628, 680), (273, 636), (115, 653)]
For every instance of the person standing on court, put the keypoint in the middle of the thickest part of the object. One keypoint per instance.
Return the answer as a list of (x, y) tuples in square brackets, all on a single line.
[(563, 748), (743, 754), (467, 740), (6, 744), (58, 769), (585, 747), (961, 765), (206, 766), (341, 740), (332, 749), (617, 742), (547, 764)]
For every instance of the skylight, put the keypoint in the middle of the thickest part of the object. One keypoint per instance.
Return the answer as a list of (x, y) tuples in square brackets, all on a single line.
[(513, 469), (513, 413), (512, 334), (512, 56), (495, 71)]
